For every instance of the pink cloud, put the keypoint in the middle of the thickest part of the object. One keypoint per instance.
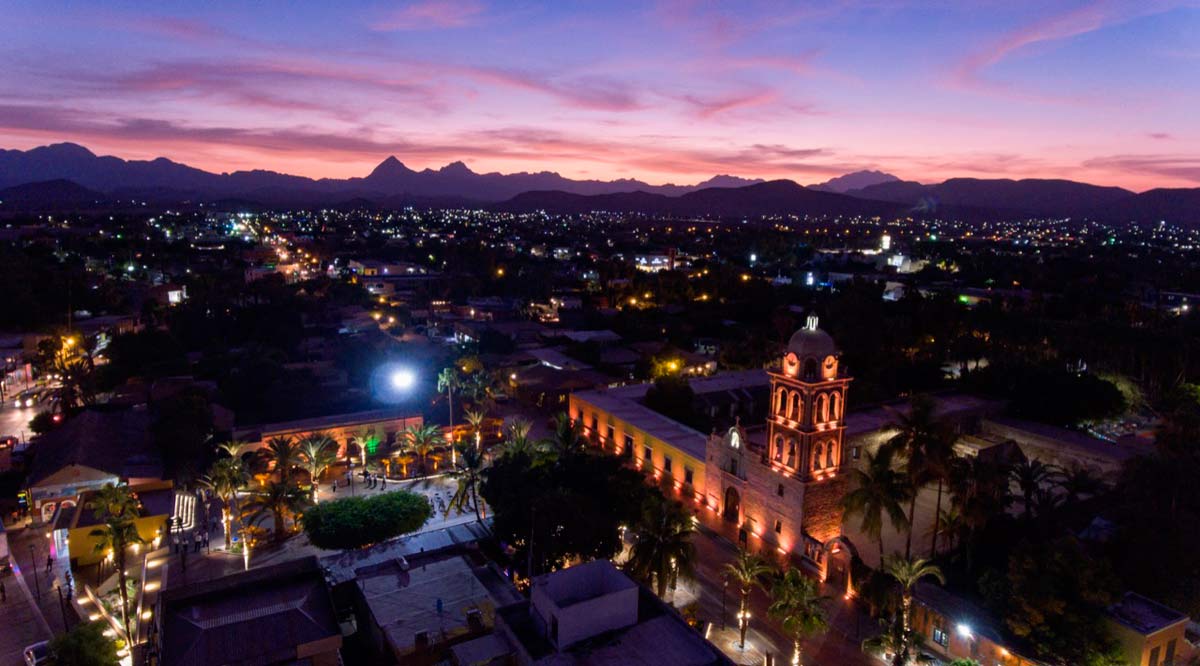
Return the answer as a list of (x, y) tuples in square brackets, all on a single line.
[(432, 14), (1089, 18), (710, 107)]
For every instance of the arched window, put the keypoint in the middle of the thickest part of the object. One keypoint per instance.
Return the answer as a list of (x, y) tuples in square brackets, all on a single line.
[(835, 406), (791, 453), (781, 402), (778, 448), (829, 461), (794, 409), (817, 464), (822, 414)]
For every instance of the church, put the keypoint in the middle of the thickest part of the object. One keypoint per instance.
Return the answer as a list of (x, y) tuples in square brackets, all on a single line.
[(783, 484)]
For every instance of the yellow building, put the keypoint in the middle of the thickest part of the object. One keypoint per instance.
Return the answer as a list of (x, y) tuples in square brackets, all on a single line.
[(623, 425), (74, 526), (1150, 634)]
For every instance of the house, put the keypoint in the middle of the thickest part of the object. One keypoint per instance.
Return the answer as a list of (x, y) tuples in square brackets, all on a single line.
[(274, 615), (91, 449), (955, 628)]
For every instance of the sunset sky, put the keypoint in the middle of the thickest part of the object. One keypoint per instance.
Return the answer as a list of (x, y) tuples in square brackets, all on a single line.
[(1107, 92)]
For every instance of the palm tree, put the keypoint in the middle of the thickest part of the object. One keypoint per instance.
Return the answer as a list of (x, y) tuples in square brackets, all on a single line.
[(568, 436), (233, 448), (979, 490), (285, 453), (1030, 476), (279, 499), (449, 381), (225, 478), (927, 444), (318, 454), (796, 603), (469, 473), (476, 418), (423, 439), (908, 572), (516, 441), (1079, 482), (117, 508), (892, 640), (876, 491), (950, 523), (746, 570), (367, 441), (664, 547)]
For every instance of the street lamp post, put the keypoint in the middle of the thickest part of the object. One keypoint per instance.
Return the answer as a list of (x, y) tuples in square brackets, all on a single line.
[(33, 565)]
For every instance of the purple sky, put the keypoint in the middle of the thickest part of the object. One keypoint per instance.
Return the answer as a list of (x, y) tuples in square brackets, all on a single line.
[(1107, 92)]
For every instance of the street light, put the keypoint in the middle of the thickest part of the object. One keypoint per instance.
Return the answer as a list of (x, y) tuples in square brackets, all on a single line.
[(403, 379)]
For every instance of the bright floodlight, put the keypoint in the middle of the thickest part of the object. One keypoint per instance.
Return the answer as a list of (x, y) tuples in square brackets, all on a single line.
[(964, 630), (403, 379)]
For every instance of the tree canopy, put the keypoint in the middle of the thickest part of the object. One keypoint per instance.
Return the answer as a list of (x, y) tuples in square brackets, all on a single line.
[(354, 522)]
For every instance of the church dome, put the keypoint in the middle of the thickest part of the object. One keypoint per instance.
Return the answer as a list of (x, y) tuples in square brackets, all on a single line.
[(811, 342)]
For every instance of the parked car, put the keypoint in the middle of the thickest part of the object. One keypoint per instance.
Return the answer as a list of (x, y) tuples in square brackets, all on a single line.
[(38, 654)]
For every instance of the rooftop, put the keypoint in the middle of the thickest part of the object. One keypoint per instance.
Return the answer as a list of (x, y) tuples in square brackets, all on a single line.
[(117, 442), (255, 617), (1144, 615)]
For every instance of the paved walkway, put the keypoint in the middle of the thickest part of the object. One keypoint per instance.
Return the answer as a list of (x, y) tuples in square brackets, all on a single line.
[(31, 612)]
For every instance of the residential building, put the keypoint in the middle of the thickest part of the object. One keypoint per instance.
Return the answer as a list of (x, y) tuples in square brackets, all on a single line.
[(1149, 633)]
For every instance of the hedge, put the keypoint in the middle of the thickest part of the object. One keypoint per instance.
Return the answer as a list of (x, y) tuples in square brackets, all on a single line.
[(354, 522)]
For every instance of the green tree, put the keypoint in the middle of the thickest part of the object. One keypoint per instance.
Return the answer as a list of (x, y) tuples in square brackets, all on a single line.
[(562, 508), (1055, 600), (225, 479), (422, 440), (117, 508), (567, 438), (663, 549), (84, 645), (747, 570), (317, 453), (1031, 476), (796, 603), (357, 522), (878, 490), (284, 453), (927, 445), (908, 572), (280, 499)]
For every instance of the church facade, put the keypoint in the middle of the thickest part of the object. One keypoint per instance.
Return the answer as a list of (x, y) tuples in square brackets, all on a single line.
[(783, 485)]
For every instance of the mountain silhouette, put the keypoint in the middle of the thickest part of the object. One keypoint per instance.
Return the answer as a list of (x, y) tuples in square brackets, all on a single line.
[(68, 175), (1038, 197), (854, 181)]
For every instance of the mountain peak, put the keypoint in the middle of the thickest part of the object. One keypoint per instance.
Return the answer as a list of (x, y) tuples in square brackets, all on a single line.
[(389, 167), (854, 181), (456, 168), (65, 150)]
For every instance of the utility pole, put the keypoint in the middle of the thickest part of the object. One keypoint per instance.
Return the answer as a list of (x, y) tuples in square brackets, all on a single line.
[(33, 565)]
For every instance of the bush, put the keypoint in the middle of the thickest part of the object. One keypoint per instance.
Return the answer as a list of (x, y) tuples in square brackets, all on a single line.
[(354, 522), (84, 645)]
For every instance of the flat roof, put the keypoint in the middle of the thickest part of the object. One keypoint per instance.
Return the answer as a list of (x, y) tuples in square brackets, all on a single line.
[(630, 411), (1144, 615), (405, 603)]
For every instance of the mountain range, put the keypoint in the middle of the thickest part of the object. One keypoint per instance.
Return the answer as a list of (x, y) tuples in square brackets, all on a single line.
[(69, 176)]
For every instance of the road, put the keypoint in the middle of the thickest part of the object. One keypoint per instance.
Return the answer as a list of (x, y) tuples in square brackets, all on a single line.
[(25, 616)]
